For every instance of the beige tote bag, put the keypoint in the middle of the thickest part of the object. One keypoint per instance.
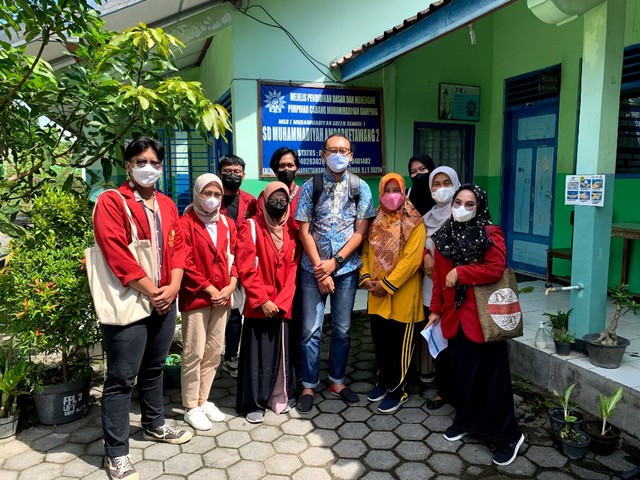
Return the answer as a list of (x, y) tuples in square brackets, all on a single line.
[(115, 304)]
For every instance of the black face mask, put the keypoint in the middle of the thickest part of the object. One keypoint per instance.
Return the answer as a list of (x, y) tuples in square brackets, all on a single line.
[(420, 180), (276, 211), (286, 176), (231, 181)]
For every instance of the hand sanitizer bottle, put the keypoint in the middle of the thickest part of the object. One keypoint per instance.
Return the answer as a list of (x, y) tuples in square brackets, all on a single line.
[(541, 336)]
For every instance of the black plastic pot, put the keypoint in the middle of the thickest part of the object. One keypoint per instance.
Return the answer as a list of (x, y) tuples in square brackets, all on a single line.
[(601, 444), (563, 348), (556, 420), (605, 356), (172, 375), (577, 449), (64, 402)]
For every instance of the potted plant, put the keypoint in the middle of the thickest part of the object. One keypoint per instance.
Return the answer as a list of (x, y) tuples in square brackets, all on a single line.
[(560, 417), (173, 368), (604, 436), (559, 324), (14, 368), (606, 349), (574, 442), (47, 304)]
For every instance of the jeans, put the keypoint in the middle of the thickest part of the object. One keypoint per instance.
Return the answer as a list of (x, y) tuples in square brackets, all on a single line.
[(313, 303), (232, 335), (139, 349)]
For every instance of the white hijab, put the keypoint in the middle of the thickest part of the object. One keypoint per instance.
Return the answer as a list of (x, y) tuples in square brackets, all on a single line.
[(440, 212)]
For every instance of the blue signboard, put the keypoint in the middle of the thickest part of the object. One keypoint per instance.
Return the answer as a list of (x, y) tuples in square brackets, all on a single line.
[(302, 117)]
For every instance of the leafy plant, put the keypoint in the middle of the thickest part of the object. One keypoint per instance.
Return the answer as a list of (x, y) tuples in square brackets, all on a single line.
[(14, 369), (625, 303), (607, 406), (173, 359), (559, 323), (564, 403), (572, 434), (116, 85), (47, 304)]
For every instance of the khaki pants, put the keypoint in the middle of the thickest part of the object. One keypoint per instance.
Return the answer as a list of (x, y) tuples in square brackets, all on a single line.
[(203, 337)]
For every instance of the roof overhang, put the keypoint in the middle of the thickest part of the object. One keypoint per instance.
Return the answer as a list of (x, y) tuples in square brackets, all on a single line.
[(440, 18), (121, 14)]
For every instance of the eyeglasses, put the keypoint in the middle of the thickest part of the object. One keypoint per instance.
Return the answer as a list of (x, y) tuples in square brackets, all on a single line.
[(278, 203), (341, 150), (468, 206), (142, 162), (420, 169), (231, 171)]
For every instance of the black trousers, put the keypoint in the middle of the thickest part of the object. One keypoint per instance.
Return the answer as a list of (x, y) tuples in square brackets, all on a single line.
[(232, 334), (393, 343)]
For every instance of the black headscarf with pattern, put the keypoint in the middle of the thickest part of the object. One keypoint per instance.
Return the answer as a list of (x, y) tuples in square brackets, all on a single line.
[(465, 242)]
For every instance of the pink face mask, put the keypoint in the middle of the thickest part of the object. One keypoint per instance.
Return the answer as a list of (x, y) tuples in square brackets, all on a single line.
[(392, 201)]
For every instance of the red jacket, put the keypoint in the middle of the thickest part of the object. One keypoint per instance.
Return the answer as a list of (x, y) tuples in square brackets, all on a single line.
[(113, 234), (275, 277), (443, 301), (247, 206), (206, 262)]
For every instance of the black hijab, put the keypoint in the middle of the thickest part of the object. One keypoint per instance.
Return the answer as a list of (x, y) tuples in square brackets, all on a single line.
[(420, 194), (465, 242)]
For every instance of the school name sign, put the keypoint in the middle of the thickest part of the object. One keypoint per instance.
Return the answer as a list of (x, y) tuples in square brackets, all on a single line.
[(302, 117)]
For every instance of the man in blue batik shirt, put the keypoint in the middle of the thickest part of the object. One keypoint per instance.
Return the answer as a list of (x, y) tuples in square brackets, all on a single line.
[(331, 232)]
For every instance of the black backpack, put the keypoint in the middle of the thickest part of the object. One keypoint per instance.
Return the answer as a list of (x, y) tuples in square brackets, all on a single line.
[(354, 188)]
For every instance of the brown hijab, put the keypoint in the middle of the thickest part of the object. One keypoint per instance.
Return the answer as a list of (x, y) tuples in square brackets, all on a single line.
[(274, 226)]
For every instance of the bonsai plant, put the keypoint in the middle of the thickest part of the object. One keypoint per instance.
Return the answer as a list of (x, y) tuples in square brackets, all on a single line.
[(561, 417), (604, 436), (559, 324), (606, 348), (14, 368), (47, 304)]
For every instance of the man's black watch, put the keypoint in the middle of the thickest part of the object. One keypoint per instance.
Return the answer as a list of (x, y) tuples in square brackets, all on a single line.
[(339, 260)]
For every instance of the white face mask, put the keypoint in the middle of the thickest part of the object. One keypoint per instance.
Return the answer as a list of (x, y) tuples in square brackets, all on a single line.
[(338, 163), (146, 176), (462, 215), (210, 204), (443, 195)]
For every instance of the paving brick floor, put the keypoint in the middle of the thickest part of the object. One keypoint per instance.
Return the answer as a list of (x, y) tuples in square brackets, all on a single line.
[(334, 441)]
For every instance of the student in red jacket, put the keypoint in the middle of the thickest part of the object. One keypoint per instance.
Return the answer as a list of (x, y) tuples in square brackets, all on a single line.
[(267, 264), (470, 251), (139, 349), (237, 205), (209, 280)]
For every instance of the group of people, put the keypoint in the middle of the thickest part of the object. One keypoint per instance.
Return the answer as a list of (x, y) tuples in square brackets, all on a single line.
[(252, 277)]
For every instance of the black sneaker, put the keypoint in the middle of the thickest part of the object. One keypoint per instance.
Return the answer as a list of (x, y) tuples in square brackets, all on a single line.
[(506, 454), (377, 393), (453, 434), (120, 468), (167, 434)]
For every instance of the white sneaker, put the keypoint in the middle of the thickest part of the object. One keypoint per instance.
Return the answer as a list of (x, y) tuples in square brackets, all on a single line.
[(197, 418), (212, 412)]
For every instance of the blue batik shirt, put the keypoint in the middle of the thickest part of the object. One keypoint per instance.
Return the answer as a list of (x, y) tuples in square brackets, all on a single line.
[(334, 219)]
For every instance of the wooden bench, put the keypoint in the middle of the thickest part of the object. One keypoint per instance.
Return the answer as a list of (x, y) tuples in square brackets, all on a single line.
[(562, 254)]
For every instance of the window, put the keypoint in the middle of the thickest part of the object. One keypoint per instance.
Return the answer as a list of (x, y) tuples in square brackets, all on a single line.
[(448, 144)]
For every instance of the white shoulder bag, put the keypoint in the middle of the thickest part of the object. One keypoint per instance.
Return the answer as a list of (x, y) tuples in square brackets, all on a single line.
[(115, 304)]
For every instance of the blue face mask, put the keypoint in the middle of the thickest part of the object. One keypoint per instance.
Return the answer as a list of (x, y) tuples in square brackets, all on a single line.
[(337, 163)]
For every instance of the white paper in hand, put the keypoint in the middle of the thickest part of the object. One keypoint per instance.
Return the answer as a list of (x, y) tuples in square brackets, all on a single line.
[(434, 338)]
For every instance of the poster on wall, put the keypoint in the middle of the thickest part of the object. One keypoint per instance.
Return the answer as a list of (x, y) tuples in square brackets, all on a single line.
[(301, 117), (459, 102), (584, 190)]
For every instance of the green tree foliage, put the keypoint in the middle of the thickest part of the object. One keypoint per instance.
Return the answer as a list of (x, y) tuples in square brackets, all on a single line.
[(117, 85)]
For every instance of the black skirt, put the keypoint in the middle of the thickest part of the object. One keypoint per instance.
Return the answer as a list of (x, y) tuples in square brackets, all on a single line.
[(482, 390), (260, 358)]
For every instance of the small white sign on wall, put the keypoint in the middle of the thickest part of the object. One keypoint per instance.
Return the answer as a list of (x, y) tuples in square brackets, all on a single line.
[(587, 190)]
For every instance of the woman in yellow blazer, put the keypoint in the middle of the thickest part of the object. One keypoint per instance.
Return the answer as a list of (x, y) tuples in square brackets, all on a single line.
[(392, 256)]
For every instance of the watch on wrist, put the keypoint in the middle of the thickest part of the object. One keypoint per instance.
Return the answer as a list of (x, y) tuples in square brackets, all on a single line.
[(339, 260)]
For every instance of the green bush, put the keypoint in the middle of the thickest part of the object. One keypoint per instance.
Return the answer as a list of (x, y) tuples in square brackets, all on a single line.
[(47, 302)]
